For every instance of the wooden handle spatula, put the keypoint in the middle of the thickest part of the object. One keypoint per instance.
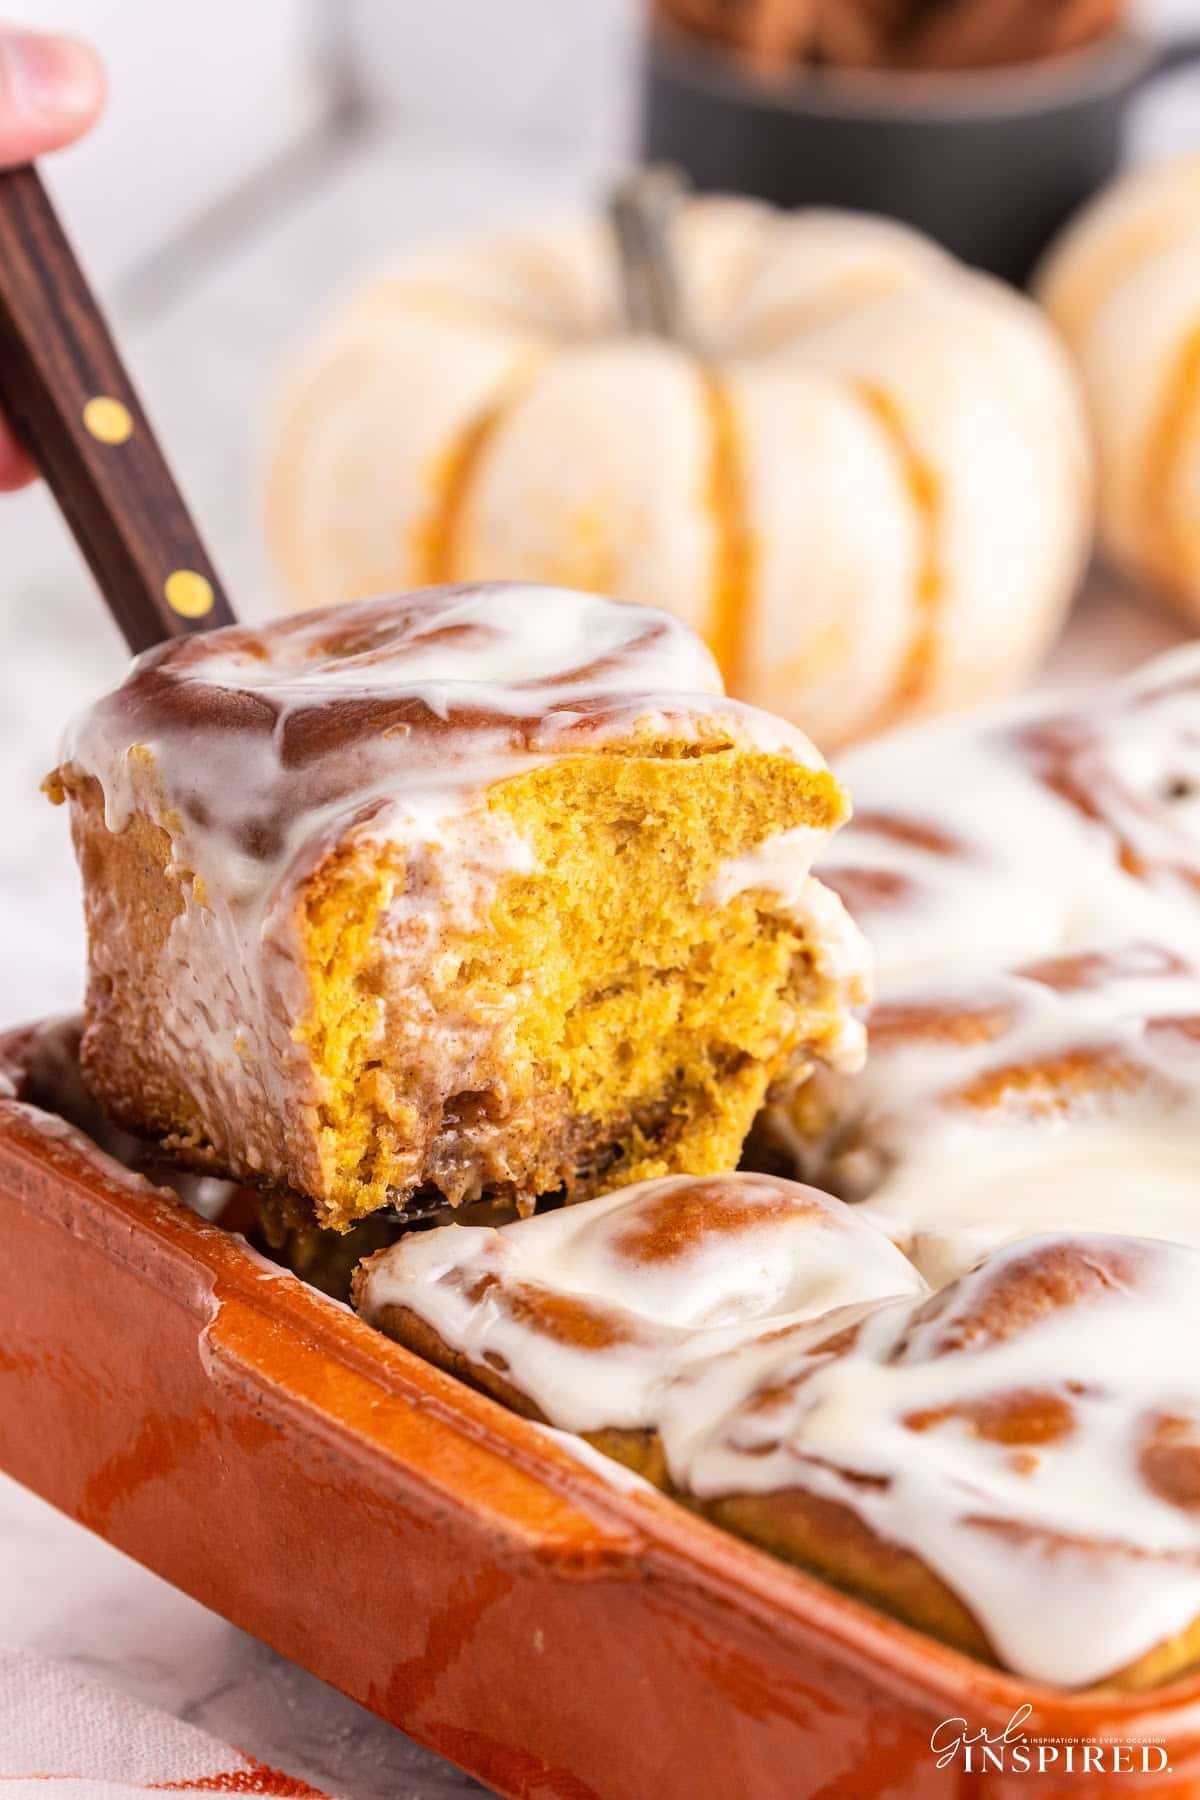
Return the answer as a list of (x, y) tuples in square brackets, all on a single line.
[(67, 394)]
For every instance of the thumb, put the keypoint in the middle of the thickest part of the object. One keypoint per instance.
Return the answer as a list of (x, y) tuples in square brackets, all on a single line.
[(51, 89)]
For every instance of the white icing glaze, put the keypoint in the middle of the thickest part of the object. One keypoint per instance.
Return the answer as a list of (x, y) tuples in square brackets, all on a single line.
[(979, 861), (1074, 1559), (1031, 889), (1071, 1558), (444, 681), (781, 865), (1063, 1096), (379, 724), (1136, 1176), (660, 1273), (527, 644), (1035, 1052), (616, 1474)]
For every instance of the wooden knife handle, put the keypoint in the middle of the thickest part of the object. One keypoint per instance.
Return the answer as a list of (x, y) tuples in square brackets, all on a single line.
[(70, 400)]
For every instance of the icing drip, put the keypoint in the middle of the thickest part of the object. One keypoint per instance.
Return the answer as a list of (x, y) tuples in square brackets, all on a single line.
[(780, 865)]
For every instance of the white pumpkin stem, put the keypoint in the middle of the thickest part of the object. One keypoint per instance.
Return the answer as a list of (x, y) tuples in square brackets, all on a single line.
[(641, 208)]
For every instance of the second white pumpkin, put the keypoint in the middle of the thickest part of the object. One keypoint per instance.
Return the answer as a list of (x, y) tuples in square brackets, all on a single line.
[(1123, 285)]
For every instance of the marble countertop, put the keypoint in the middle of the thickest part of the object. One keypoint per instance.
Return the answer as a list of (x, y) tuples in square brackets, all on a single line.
[(73, 1597), (200, 352)]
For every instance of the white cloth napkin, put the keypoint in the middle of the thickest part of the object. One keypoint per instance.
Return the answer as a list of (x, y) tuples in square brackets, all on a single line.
[(66, 1737)]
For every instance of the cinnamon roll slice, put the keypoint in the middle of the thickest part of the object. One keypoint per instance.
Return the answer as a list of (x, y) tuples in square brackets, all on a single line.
[(482, 891)]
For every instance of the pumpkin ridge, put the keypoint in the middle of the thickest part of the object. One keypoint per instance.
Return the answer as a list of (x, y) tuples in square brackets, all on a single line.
[(924, 487), (792, 320), (1165, 443), (435, 538), (677, 484), (405, 295), (288, 476), (734, 555)]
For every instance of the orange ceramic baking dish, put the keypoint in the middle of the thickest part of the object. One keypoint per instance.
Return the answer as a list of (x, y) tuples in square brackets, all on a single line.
[(554, 1628)]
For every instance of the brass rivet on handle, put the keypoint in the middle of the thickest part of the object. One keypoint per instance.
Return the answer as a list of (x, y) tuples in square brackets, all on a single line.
[(188, 594), (108, 420)]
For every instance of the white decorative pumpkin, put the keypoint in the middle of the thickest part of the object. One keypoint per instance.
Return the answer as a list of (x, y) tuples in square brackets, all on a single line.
[(1123, 286), (860, 471)]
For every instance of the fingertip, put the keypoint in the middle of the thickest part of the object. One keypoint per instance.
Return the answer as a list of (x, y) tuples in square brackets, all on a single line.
[(52, 88), (15, 475), (16, 468), (81, 85)]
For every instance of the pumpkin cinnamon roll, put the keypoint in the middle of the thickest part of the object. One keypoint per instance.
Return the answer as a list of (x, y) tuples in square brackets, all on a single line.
[(584, 1317), (1011, 1464), (1031, 889), (481, 891)]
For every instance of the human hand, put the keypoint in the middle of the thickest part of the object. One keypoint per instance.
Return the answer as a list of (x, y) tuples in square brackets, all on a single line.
[(51, 90)]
